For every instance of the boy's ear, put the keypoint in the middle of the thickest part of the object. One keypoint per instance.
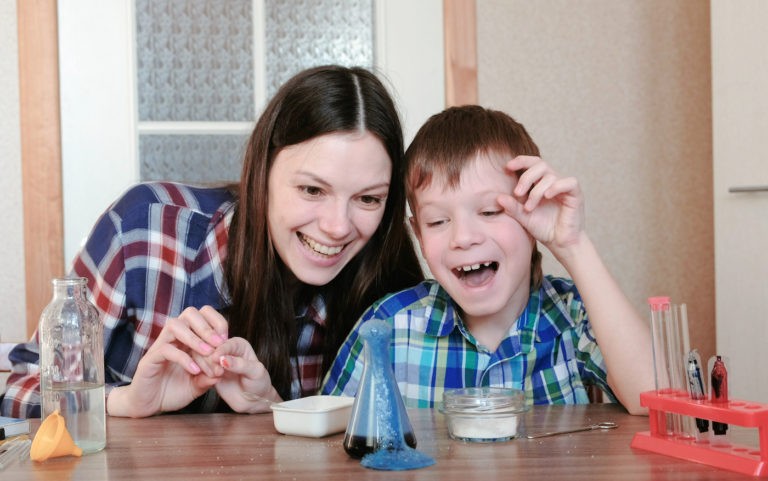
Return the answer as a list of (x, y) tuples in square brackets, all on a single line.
[(415, 227), (416, 232)]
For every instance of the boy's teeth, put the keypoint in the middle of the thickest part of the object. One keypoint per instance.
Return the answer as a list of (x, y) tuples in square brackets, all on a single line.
[(473, 267)]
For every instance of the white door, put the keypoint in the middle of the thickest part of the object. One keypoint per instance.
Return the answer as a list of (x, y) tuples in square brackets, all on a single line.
[(98, 92), (740, 151)]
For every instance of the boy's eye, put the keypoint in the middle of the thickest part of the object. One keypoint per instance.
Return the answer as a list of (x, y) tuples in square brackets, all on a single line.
[(435, 223), (490, 213)]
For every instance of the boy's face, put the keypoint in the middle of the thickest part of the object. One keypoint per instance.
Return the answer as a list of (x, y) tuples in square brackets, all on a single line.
[(478, 253)]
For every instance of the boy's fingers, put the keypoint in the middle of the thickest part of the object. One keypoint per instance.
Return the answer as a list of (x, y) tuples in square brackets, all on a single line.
[(511, 206), (562, 186)]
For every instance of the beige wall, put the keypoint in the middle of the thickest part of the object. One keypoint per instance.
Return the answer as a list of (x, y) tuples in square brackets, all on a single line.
[(12, 303), (619, 95)]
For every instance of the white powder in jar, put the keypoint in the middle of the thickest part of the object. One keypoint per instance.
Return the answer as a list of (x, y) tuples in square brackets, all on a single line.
[(481, 428)]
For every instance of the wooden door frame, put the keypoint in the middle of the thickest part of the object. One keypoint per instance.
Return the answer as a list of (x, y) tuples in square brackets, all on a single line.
[(40, 152), (460, 31), (41, 130)]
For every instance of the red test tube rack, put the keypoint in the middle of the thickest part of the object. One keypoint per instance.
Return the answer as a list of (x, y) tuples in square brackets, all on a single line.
[(732, 457)]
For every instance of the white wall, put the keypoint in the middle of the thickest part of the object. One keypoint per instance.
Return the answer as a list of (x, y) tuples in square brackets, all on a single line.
[(12, 293), (740, 120)]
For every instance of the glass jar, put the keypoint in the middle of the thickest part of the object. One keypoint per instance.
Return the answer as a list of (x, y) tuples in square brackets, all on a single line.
[(72, 364), (483, 414)]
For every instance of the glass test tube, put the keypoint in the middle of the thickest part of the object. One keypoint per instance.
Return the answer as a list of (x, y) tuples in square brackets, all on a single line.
[(669, 327)]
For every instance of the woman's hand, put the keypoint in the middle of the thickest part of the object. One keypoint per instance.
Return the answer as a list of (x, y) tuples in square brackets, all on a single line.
[(243, 373), (549, 207), (177, 368)]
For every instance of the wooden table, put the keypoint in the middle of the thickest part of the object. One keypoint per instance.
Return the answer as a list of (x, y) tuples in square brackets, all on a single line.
[(233, 447)]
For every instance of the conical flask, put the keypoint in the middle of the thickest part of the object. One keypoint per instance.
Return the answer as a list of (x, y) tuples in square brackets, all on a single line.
[(378, 415)]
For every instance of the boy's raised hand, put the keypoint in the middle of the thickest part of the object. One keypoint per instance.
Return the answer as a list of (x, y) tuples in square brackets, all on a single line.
[(548, 206)]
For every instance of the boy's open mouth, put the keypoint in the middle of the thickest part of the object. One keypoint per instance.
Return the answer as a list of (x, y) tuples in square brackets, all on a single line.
[(476, 274)]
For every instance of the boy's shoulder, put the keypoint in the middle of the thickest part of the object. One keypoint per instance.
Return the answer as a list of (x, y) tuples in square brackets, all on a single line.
[(558, 303), (559, 285)]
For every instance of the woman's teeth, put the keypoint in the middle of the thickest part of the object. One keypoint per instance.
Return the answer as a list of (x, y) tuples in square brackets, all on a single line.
[(320, 248)]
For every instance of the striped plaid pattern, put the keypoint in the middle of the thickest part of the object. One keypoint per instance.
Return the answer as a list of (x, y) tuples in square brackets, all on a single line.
[(550, 353), (159, 249)]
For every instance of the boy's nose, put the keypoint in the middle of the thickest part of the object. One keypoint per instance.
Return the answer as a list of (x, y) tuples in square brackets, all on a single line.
[(464, 234)]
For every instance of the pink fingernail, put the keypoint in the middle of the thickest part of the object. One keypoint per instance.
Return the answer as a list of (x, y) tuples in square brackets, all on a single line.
[(224, 362), (194, 367), (205, 348)]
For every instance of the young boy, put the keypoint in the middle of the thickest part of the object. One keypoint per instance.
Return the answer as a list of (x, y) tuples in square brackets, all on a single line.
[(481, 198)]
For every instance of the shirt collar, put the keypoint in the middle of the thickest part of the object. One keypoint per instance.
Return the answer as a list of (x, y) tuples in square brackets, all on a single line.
[(544, 318), (315, 310)]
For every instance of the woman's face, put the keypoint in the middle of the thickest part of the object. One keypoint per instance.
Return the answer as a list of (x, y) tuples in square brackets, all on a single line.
[(326, 199)]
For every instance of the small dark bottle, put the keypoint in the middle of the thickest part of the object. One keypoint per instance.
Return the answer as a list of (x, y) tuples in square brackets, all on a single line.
[(719, 386), (379, 419)]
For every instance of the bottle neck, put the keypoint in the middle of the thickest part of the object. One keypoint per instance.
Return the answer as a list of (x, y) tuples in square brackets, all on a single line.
[(375, 352), (69, 288)]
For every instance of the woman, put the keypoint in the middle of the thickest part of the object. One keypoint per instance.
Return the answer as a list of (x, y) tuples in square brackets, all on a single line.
[(213, 298)]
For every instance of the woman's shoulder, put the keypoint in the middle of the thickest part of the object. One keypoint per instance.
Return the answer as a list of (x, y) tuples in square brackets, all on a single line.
[(141, 196)]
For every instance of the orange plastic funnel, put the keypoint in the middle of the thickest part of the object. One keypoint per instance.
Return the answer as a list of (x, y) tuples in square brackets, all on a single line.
[(53, 440)]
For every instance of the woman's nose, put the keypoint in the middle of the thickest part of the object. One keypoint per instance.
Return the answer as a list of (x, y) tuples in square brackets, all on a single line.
[(335, 220)]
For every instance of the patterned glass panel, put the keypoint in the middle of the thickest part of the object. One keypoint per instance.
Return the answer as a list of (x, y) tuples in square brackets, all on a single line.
[(194, 159), (306, 33), (195, 60)]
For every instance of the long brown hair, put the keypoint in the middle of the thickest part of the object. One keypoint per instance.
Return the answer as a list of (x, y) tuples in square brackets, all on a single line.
[(315, 102), (451, 139)]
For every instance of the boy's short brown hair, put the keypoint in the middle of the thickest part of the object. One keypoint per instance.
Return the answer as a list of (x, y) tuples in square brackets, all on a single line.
[(453, 138)]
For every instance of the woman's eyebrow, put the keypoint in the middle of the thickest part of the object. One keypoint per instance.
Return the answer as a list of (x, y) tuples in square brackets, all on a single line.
[(314, 177)]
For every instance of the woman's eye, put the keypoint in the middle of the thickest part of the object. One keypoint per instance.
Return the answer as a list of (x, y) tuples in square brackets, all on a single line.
[(371, 200), (310, 190), (435, 223)]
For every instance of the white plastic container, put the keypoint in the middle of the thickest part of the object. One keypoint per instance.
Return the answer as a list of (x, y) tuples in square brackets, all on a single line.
[(313, 416), (484, 414)]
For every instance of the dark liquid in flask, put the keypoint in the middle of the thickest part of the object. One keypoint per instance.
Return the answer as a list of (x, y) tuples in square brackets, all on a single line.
[(359, 446)]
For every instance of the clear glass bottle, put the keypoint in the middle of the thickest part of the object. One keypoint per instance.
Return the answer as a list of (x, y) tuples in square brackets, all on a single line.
[(378, 418), (72, 363)]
